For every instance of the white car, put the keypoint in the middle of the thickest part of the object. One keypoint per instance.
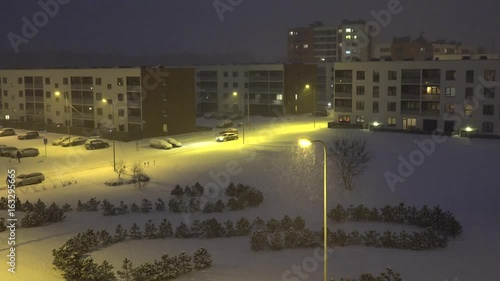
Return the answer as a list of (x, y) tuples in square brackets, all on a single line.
[(174, 142), (160, 143)]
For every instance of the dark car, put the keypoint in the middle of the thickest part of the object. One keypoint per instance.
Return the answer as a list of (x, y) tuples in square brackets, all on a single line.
[(96, 144), (73, 141), (26, 152), (6, 151), (7, 132), (227, 137), (32, 178), (28, 135)]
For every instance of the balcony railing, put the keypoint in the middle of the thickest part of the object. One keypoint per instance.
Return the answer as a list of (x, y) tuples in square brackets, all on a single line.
[(258, 78), (428, 97), (258, 90), (343, 80), (132, 103), (430, 112), (410, 80), (408, 96), (409, 111), (208, 77), (135, 119), (343, 108), (133, 88), (343, 94)]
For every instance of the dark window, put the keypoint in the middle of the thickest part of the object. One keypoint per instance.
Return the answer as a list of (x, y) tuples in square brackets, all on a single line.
[(235, 73), (21, 106), (19, 80), (47, 94), (47, 81), (119, 81), (360, 105), (375, 107), (56, 85), (488, 109), (392, 75), (469, 76), (469, 92), (360, 75), (391, 91), (376, 91), (121, 128), (98, 96), (65, 81), (360, 90), (226, 85), (376, 76), (21, 94), (98, 81), (121, 113), (225, 74), (488, 127), (99, 111), (120, 97), (489, 93), (391, 106), (109, 87), (450, 75)]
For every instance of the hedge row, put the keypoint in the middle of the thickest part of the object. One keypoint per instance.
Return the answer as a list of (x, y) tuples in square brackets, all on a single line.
[(37, 214)]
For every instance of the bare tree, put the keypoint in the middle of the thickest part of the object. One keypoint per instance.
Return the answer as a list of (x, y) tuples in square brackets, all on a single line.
[(136, 170), (351, 157), (120, 168)]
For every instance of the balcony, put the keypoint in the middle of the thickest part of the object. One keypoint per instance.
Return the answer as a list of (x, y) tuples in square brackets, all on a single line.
[(208, 77), (343, 94), (409, 96), (428, 97), (276, 102), (260, 90), (135, 119), (430, 112), (343, 108), (410, 111), (133, 88), (343, 80), (133, 103), (276, 78), (410, 80)]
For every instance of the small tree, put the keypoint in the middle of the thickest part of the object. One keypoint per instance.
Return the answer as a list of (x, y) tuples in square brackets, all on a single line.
[(126, 273), (351, 158), (120, 168)]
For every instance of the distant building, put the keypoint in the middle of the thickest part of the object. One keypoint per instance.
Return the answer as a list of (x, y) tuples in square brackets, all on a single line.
[(143, 101), (382, 51), (355, 41), (423, 95), (404, 48), (267, 89)]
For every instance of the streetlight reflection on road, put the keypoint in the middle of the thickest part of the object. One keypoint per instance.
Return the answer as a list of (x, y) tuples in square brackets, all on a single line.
[(305, 142)]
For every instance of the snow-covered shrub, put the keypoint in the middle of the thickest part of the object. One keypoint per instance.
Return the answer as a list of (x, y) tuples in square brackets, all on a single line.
[(202, 259)]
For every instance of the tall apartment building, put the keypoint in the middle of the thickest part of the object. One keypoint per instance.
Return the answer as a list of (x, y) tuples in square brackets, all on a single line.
[(143, 101), (424, 95), (257, 88), (355, 41), (404, 48)]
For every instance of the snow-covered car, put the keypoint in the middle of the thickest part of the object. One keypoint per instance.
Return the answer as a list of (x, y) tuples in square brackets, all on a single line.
[(29, 135), (26, 179), (160, 143), (25, 152), (227, 137), (73, 141), (60, 140), (225, 124), (229, 130), (7, 150), (92, 144), (7, 132), (174, 142)]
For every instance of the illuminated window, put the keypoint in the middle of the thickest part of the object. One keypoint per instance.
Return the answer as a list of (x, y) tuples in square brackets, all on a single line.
[(355, 37), (291, 33), (306, 46), (348, 52), (296, 96), (360, 119), (433, 90), (279, 97), (391, 121), (348, 30), (348, 37), (468, 110), (449, 91), (409, 123), (488, 127), (449, 108)]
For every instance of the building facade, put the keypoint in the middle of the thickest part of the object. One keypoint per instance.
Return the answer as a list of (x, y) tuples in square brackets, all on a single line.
[(422, 95), (260, 89), (136, 101)]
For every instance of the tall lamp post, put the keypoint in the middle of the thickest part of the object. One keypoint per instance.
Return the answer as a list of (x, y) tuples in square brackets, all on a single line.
[(314, 105), (57, 93), (110, 101), (307, 143)]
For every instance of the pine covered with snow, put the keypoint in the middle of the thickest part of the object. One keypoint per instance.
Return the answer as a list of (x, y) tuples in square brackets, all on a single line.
[(134, 232), (120, 234), (182, 231), (185, 263), (125, 274), (150, 230), (258, 240), (165, 229), (202, 259), (243, 227)]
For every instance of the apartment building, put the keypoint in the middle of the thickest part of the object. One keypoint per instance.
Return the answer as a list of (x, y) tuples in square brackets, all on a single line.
[(260, 89), (135, 101), (355, 41), (423, 95)]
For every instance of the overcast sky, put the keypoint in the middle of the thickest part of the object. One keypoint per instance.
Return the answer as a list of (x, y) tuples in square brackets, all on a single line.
[(257, 27)]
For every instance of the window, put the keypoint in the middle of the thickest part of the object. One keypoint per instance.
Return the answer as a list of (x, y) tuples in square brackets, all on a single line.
[(344, 118), (488, 127), (391, 106), (450, 75), (225, 74), (348, 30), (360, 105), (296, 96), (489, 93), (121, 128), (360, 119), (225, 95), (489, 75), (21, 94), (57, 99), (433, 90), (360, 75), (226, 85), (121, 112), (391, 121), (58, 113), (375, 107), (21, 106), (99, 111), (235, 73), (235, 85), (376, 91), (488, 109), (98, 81), (409, 123), (47, 81), (47, 94), (4, 80), (109, 87), (391, 91), (469, 76), (120, 97), (5, 106), (19, 80), (65, 81), (5, 93), (279, 97), (246, 85), (469, 92), (392, 75), (449, 92), (449, 108), (98, 96), (468, 110), (164, 97), (360, 90), (376, 76), (48, 107), (119, 81), (306, 46)]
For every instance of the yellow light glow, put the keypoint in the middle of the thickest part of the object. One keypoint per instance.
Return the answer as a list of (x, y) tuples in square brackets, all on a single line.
[(104, 100), (235, 94), (57, 93), (376, 124), (468, 129), (305, 142), (307, 86)]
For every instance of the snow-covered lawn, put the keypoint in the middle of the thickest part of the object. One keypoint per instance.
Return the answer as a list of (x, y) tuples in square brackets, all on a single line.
[(461, 176)]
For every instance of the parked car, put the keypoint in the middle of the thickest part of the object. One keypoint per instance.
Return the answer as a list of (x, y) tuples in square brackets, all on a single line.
[(174, 142), (25, 152), (227, 137), (95, 144), (29, 135), (160, 143), (60, 140), (321, 112), (6, 151), (26, 179), (229, 130), (7, 132), (73, 141), (225, 124)]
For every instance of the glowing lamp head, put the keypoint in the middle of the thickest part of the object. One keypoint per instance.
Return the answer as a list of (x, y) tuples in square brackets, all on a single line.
[(235, 94), (468, 129), (376, 124), (104, 101), (305, 142), (57, 93), (307, 86)]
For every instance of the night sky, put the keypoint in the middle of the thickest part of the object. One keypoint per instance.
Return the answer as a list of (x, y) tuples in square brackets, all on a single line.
[(257, 27)]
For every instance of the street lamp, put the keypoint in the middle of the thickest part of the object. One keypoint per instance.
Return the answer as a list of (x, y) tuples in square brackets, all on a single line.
[(314, 105), (304, 142), (235, 94), (110, 101), (57, 93)]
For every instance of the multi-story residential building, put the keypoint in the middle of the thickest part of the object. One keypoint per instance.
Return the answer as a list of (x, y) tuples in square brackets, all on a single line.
[(382, 51), (256, 88), (404, 48), (355, 41), (136, 101), (423, 95)]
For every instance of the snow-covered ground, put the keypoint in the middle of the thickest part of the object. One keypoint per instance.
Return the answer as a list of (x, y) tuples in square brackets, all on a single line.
[(461, 175)]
